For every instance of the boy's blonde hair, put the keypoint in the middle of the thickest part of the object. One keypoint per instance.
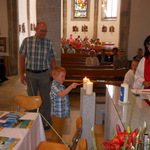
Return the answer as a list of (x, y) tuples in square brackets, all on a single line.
[(57, 70)]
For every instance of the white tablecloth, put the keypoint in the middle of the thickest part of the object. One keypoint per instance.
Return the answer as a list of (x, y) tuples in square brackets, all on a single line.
[(29, 138)]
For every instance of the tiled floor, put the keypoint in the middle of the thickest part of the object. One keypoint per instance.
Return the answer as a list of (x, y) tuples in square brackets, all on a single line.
[(13, 87)]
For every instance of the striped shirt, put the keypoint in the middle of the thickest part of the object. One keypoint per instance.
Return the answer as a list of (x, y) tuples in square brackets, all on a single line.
[(60, 106), (38, 53)]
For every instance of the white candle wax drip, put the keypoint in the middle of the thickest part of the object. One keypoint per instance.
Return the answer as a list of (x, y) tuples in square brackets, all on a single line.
[(89, 88)]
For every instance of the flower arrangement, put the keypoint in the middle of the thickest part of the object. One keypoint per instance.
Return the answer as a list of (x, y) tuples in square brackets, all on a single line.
[(128, 140)]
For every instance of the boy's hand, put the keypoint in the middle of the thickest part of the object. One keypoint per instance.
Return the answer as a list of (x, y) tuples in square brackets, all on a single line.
[(74, 85)]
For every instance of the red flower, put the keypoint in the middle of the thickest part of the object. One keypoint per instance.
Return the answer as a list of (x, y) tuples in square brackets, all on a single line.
[(115, 141), (118, 142), (121, 137)]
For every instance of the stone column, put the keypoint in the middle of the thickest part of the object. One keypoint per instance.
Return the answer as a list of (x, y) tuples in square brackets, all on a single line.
[(124, 24), (96, 5), (49, 11), (65, 18), (87, 112), (13, 36)]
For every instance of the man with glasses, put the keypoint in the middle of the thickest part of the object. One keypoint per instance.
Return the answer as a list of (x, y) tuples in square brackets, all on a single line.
[(37, 58)]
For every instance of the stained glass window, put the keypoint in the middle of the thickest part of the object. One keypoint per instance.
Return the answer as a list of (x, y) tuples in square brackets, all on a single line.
[(80, 8)]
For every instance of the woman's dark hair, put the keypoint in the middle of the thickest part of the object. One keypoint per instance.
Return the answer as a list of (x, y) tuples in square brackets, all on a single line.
[(147, 42)]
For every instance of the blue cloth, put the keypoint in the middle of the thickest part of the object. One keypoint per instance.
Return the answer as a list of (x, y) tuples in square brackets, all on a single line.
[(60, 106), (38, 53)]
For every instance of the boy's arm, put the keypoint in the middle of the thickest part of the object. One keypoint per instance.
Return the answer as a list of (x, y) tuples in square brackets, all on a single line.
[(67, 90)]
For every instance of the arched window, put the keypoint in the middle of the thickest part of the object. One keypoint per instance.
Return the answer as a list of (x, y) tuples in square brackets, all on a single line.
[(109, 9), (80, 10)]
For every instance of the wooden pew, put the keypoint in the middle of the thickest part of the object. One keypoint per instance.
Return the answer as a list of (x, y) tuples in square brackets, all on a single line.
[(77, 60), (97, 83), (94, 73), (99, 75), (99, 86), (80, 65), (74, 55)]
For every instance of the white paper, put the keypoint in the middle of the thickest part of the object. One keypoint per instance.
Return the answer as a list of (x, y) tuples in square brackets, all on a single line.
[(140, 91)]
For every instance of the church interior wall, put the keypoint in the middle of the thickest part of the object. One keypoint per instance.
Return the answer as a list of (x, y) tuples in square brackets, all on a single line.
[(3, 18), (109, 36), (3, 22), (23, 20), (139, 26), (104, 36), (79, 24)]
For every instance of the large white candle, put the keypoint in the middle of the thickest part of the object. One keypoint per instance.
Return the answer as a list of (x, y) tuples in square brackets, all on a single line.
[(89, 88), (85, 80), (124, 93)]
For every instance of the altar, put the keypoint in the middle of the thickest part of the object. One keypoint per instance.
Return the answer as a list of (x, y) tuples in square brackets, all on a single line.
[(132, 114)]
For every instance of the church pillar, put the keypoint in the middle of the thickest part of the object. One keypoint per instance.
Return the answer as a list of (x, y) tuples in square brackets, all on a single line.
[(49, 11), (96, 5), (124, 23), (64, 18), (12, 7)]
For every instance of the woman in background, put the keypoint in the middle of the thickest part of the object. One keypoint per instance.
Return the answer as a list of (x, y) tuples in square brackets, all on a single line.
[(142, 74), (92, 60)]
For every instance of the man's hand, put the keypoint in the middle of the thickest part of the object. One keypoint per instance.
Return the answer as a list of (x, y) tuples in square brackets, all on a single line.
[(23, 79)]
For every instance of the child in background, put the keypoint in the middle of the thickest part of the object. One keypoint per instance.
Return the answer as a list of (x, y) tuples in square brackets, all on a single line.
[(71, 50), (60, 106), (129, 76)]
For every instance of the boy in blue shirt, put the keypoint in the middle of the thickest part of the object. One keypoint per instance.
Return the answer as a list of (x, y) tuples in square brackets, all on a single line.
[(60, 106)]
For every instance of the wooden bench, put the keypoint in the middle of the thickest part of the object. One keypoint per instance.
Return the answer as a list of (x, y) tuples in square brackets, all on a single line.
[(76, 60), (94, 73), (100, 77), (80, 65), (99, 86)]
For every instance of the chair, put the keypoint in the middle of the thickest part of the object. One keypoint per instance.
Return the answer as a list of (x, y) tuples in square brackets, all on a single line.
[(28, 102), (45, 145), (77, 134), (82, 145)]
